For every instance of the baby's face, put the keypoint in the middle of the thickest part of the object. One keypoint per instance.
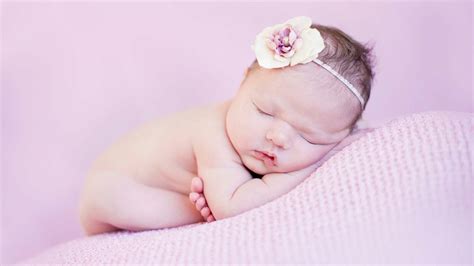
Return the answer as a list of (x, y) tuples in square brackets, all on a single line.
[(281, 120)]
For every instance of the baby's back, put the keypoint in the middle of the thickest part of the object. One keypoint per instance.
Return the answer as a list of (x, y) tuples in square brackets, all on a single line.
[(160, 153)]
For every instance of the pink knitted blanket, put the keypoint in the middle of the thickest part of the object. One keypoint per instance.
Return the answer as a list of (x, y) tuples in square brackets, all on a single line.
[(400, 194)]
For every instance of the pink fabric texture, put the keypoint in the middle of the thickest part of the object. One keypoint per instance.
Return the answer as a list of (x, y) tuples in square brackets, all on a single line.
[(400, 194)]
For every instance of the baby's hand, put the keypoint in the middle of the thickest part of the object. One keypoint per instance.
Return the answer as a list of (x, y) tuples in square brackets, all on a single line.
[(197, 198)]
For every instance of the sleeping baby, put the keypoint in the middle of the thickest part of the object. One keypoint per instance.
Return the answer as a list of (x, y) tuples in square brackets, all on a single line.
[(298, 102)]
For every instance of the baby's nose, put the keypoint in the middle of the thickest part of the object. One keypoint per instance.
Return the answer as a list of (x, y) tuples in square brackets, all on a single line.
[(279, 139)]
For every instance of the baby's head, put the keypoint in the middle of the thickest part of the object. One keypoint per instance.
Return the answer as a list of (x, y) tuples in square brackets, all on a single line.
[(286, 118)]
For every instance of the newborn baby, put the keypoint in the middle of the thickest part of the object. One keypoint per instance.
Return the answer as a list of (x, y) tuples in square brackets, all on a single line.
[(292, 108)]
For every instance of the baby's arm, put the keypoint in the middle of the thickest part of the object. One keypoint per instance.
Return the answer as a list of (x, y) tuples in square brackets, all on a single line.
[(226, 199), (221, 184), (257, 192)]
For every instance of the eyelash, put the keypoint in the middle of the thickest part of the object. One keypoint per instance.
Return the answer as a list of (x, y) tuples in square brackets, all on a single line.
[(312, 143), (260, 111), (267, 114), (308, 141)]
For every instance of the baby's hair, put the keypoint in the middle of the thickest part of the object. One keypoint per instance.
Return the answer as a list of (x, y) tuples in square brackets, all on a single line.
[(351, 59)]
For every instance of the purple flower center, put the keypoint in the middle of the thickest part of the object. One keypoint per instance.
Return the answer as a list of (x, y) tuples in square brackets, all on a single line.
[(285, 42)]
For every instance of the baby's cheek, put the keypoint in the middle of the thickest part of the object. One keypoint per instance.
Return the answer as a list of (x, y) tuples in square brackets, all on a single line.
[(301, 158)]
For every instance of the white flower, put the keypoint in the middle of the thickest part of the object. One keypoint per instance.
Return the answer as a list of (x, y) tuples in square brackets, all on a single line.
[(293, 42)]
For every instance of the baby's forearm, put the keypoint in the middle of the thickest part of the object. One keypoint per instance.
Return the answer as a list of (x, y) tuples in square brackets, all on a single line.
[(257, 192), (249, 195)]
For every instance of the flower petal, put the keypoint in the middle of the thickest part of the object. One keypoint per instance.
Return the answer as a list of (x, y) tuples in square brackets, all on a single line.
[(281, 61), (289, 54), (311, 46), (270, 44), (300, 23), (292, 37), (267, 32), (298, 43)]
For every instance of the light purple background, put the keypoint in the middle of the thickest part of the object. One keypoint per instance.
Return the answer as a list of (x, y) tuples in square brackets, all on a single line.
[(77, 76)]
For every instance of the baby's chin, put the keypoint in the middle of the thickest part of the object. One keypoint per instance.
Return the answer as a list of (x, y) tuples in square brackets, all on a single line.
[(255, 165)]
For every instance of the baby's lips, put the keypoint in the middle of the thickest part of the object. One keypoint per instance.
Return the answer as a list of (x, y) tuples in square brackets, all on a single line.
[(269, 161), (267, 158)]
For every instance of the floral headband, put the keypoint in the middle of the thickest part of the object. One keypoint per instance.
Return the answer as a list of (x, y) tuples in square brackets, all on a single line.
[(291, 43)]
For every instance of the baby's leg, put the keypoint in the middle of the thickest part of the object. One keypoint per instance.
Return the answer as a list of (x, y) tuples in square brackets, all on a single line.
[(116, 202)]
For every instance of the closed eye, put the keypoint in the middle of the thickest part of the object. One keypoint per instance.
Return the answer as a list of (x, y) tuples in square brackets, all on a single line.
[(312, 143), (260, 110), (309, 141)]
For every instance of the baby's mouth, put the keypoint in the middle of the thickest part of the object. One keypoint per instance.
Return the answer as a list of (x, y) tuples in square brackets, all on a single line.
[(268, 158)]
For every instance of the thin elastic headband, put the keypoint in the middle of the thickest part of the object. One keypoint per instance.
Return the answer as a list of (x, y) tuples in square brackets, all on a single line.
[(342, 79)]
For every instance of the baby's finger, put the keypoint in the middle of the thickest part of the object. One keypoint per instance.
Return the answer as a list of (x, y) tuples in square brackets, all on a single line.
[(193, 196)]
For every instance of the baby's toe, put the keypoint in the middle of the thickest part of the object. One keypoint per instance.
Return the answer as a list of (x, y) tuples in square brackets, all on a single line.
[(210, 218), (193, 196), (200, 203), (205, 212), (196, 185)]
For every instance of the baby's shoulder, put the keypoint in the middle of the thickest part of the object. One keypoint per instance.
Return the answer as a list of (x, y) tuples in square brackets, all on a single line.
[(213, 115), (210, 141), (209, 124)]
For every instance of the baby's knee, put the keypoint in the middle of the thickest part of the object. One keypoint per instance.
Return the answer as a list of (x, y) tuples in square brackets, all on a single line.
[(97, 203)]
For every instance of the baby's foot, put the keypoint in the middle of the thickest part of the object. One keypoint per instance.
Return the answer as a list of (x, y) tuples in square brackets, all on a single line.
[(197, 198)]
